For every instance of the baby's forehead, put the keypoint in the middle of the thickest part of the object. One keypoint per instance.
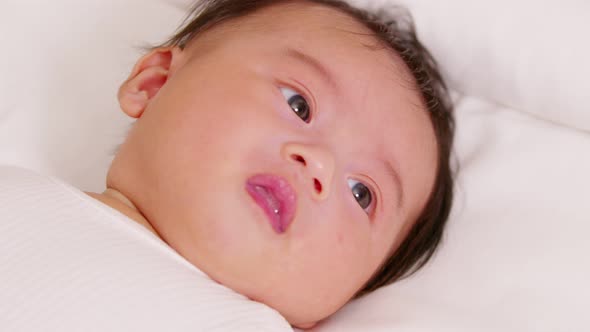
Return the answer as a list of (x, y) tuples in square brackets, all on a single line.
[(369, 72), (297, 22), (320, 31)]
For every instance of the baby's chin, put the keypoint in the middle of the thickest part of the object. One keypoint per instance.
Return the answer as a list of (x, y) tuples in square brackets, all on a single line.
[(304, 326), (304, 316)]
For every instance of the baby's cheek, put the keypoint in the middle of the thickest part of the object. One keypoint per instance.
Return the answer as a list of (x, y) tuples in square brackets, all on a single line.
[(352, 242), (342, 245), (260, 150), (340, 239)]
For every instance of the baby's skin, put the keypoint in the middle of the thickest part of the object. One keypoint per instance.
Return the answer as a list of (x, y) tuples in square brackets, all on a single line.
[(282, 153)]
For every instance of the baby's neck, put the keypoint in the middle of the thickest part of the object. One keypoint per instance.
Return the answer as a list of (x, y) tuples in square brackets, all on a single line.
[(119, 202)]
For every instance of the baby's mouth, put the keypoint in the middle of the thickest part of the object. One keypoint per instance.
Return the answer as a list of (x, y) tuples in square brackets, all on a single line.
[(276, 197)]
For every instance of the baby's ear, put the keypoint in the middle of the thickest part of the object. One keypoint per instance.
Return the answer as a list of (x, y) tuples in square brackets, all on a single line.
[(149, 75)]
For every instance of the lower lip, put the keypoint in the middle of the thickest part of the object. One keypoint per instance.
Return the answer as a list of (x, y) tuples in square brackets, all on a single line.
[(285, 194)]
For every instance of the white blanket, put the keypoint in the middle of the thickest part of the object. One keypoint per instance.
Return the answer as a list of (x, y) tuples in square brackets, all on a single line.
[(70, 263)]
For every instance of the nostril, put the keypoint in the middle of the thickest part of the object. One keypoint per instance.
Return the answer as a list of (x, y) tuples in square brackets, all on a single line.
[(317, 185), (299, 159)]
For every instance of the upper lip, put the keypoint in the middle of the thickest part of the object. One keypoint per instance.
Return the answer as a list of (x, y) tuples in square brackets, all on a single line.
[(276, 196)]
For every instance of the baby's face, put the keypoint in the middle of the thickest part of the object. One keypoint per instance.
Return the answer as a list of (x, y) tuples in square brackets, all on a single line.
[(283, 156)]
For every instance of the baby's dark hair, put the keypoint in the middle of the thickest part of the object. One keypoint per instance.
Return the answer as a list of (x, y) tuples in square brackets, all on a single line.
[(397, 33)]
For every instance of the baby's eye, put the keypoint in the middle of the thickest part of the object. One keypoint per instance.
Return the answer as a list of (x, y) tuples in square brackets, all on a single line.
[(297, 103), (361, 193)]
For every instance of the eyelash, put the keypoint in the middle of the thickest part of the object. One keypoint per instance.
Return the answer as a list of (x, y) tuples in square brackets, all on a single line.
[(374, 195), (303, 93)]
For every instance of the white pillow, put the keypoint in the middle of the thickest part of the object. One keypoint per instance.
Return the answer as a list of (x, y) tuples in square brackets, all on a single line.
[(62, 63), (529, 55)]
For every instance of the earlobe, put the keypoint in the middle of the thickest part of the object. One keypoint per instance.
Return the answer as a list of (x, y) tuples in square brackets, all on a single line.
[(149, 75)]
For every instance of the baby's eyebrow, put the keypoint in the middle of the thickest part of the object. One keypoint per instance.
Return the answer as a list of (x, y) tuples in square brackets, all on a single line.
[(397, 182), (313, 63)]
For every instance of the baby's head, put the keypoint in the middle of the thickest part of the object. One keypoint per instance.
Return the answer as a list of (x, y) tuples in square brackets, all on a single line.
[(295, 151)]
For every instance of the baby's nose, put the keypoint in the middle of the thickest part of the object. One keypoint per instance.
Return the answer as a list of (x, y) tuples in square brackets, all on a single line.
[(317, 162)]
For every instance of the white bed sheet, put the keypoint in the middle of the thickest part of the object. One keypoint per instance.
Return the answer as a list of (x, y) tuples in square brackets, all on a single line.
[(515, 254)]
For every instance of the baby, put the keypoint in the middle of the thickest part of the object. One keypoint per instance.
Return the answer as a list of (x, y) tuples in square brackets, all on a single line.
[(296, 152)]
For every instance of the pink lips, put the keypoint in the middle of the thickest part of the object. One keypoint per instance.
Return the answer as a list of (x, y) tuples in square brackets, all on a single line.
[(276, 197)]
